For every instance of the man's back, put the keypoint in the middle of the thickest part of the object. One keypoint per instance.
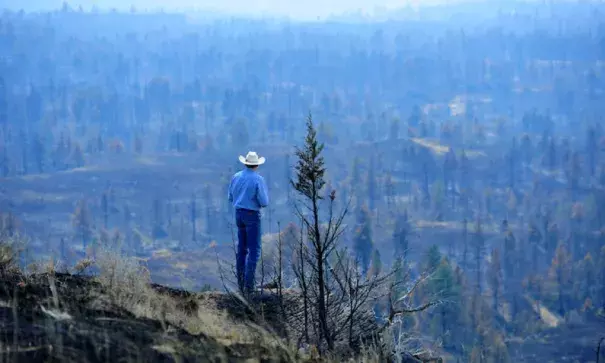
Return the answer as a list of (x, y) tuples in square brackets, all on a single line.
[(248, 190)]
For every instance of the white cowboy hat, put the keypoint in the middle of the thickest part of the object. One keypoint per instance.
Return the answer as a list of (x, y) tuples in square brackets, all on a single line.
[(252, 159)]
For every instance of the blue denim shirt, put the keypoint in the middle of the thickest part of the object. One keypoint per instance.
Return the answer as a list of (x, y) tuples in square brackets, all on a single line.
[(248, 190)]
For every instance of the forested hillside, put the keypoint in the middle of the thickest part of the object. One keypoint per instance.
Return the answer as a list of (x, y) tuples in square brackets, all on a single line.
[(466, 142)]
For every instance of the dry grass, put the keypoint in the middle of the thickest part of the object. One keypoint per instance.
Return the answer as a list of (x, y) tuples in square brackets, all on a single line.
[(440, 149), (128, 285), (448, 225), (126, 281), (149, 161), (31, 195), (548, 317), (9, 249), (432, 145)]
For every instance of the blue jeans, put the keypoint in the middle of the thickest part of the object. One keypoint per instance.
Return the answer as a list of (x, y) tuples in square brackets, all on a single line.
[(249, 244)]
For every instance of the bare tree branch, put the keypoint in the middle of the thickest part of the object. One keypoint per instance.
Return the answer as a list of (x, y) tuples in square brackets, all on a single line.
[(417, 283)]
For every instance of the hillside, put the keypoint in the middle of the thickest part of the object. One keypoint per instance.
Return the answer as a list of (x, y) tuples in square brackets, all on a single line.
[(119, 315), (62, 317), (55, 317)]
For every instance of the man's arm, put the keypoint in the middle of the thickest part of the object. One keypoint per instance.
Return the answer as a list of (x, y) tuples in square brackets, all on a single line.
[(261, 193)]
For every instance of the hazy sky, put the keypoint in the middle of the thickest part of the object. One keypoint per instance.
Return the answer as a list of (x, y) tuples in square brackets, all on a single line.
[(292, 8)]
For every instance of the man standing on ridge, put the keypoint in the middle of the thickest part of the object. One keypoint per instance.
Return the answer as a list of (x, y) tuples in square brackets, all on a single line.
[(248, 194)]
